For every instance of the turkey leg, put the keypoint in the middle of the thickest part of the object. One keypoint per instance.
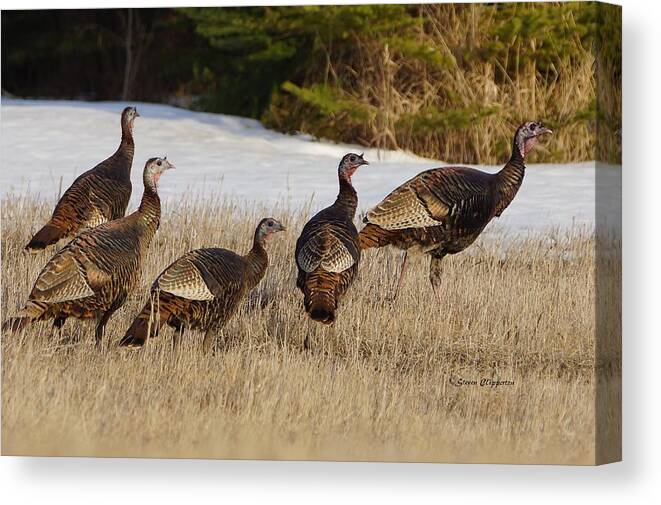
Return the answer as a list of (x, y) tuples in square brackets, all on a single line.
[(435, 275), (402, 275)]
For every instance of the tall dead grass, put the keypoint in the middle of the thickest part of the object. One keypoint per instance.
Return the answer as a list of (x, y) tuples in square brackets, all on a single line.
[(382, 385), (458, 91)]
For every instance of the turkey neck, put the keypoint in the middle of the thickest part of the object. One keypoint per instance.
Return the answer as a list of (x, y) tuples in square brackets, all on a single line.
[(347, 199), (509, 179), (124, 153), (149, 212), (257, 261)]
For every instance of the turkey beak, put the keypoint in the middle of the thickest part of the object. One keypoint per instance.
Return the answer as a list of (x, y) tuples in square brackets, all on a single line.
[(137, 114), (168, 165), (281, 227), (364, 162), (546, 130)]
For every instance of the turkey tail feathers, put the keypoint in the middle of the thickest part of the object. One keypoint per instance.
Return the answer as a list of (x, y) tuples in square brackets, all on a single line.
[(319, 296), (48, 235), (321, 307), (14, 324), (32, 311), (144, 326), (373, 236)]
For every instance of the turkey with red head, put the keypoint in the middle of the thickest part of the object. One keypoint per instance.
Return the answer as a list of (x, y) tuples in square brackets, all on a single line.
[(443, 210), (91, 277), (327, 252)]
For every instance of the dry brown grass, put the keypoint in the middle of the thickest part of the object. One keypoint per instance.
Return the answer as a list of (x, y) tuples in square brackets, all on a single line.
[(466, 97), (378, 387)]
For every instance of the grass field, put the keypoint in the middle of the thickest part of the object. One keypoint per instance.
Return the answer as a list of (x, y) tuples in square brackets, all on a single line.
[(382, 385)]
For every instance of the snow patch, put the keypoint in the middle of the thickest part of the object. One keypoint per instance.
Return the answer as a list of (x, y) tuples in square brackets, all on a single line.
[(47, 144)]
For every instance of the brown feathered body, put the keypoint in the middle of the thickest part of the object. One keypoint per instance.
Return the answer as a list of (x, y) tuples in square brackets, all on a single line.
[(201, 290), (441, 211), (92, 275), (97, 196), (327, 255)]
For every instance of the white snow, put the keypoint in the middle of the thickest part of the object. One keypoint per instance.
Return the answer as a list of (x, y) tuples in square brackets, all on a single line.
[(46, 144)]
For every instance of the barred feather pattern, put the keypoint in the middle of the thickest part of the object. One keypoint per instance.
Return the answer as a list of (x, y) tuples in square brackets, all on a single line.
[(223, 272), (201, 290), (327, 255), (443, 210), (97, 196), (92, 275)]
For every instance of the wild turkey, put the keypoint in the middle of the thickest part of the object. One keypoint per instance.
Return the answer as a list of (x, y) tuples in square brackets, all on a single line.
[(96, 196), (443, 210), (327, 252), (202, 290), (92, 275)]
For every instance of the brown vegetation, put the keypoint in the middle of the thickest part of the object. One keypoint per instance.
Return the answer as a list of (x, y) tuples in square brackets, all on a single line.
[(459, 80), (446, 81), (380, 386)]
